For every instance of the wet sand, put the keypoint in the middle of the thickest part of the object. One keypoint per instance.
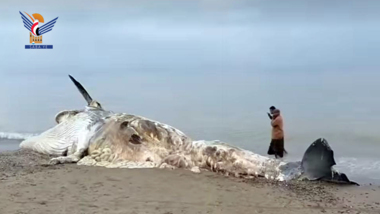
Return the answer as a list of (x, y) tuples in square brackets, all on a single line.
[(28, 185)]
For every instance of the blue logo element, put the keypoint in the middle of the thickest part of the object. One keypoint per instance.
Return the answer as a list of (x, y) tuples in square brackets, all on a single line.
[(35, 31), (38, 46)]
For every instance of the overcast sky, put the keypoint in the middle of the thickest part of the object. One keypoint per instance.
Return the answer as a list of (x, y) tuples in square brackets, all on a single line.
[(270, 35)]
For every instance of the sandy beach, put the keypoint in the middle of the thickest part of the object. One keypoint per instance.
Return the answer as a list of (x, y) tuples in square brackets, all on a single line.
[(29, 185)]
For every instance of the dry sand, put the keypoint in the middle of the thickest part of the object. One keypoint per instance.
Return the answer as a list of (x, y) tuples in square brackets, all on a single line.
[(29, 186)]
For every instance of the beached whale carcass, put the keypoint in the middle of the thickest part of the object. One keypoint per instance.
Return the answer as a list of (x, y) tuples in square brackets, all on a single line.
[(98, 137)]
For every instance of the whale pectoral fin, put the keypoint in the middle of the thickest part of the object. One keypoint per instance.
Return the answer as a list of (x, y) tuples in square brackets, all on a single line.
[(318, 161), (72, 158), (76, 152), (64, 115)]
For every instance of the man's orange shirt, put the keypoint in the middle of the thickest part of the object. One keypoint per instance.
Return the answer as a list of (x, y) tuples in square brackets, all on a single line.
[(277, 128)]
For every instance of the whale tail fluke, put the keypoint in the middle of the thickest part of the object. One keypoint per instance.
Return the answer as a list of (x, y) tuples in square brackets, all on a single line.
[(318, 161)]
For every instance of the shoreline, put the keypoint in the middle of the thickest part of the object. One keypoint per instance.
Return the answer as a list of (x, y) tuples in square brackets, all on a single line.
[(363, 180), (30, 186)]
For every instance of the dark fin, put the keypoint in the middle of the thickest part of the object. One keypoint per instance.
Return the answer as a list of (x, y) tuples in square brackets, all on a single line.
[(338, 178), (318, 161), (81, 89)]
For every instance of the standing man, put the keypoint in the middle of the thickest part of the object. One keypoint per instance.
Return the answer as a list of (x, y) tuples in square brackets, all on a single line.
[(276, 146)]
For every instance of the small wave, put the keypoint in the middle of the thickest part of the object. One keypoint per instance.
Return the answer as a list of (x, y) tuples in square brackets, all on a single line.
[(15, 136), (367, 167)]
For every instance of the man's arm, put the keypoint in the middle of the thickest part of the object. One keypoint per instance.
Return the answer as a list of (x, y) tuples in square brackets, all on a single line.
[(275, 122), (270, 116)]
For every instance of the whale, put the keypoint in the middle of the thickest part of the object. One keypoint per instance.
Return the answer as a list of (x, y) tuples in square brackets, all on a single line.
[(94, 136)]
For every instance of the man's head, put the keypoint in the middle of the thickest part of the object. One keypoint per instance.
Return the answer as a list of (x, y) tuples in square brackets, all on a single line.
[(271, 109)]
